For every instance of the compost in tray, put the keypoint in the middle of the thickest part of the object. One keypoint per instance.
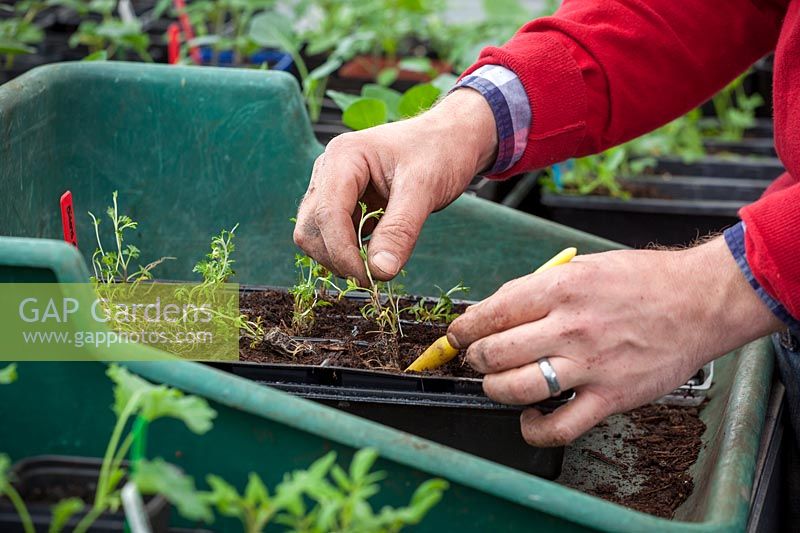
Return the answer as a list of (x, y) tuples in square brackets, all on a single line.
[(340, 337)]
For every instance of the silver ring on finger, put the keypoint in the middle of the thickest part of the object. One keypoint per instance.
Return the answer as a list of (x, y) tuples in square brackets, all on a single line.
[(550, 376)]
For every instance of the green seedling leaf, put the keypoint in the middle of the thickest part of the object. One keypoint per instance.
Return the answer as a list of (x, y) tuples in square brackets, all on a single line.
[(325, 69), (100, 55), (160, 477), (9, 47), (8, 374), (387, 76), (417, 99), (63, 511), (273, 29), (5, 466), (205, 40), (444, 82), (342, 100), (255, 493), (224, 496), (389, 96), (362, 463), (365, 113), (416, 64), (157, 401)]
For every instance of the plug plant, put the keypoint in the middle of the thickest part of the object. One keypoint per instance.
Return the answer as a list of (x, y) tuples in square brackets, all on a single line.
[(735, 110), (217, 269), (273, 29), (601, 173), (113, 265), (138, 400), (682, 138), (223, 25), (308, 293), (339, 499), (441, 311), (18, 33), (378, 104), (118, 34), (383, 303)]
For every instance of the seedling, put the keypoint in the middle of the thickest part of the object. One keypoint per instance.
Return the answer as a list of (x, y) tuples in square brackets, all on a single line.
[(385, 314), (735, 110), (378, 104), (118, 34), (340, 499), (442, 310), (217, 269), (601, 172), (134, 398), (19, 34), (114, 266), (8, 374), (308, 293), (272, 29)]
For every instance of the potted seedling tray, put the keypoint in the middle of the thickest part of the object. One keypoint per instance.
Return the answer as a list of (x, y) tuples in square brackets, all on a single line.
[(675, 202), (44, 480), (447, 406)]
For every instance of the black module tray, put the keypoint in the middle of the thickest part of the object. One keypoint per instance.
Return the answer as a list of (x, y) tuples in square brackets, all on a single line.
[(32, 476), (448, 410)]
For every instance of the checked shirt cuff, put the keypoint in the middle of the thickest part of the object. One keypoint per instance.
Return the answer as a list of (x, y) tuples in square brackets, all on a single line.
[(734, 238), (512, 112)]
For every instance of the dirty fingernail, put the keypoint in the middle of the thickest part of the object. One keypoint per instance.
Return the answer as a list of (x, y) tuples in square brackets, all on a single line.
[(453, 341), (387, 262)]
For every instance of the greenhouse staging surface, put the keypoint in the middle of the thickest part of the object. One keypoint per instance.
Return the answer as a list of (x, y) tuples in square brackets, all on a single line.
[(106, 127)]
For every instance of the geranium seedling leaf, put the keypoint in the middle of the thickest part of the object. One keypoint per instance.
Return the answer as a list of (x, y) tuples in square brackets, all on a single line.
[(100, 55), (342, 100), (255, 493), (365, 113), (417, 99), (416, 64), (361, 464), (444, 82), (273, 29), (8, 374), (160, 477), (157, 401), (389, 96), (63, 511), (387, 76)]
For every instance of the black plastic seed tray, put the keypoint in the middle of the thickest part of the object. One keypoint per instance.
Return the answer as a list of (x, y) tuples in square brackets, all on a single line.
[(448, 410)]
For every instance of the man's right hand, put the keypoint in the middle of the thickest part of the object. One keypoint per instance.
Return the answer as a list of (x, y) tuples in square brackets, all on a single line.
[(410, 168)]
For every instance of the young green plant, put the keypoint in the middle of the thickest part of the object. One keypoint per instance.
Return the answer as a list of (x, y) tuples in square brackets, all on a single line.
[(735, 110), (378, 104), (144, 402), (339, 499), (307, 293), (19, 33), (138, 400), (385, 314), (441, 311), (114, 265), (217, 269)]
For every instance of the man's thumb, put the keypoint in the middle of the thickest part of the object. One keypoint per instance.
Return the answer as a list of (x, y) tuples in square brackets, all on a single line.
[(396, 234)]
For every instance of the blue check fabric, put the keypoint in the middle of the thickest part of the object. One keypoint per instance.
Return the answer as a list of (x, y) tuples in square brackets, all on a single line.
[(734, 238), (506, 96)]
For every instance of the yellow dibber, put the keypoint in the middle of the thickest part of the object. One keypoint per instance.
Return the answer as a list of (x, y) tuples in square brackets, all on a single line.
[(440, 352)]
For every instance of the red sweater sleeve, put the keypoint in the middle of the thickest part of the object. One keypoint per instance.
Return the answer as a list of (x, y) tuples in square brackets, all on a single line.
[(601, 72)]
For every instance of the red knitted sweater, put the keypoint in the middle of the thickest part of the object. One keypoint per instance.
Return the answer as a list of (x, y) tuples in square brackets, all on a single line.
[(601, 72)]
